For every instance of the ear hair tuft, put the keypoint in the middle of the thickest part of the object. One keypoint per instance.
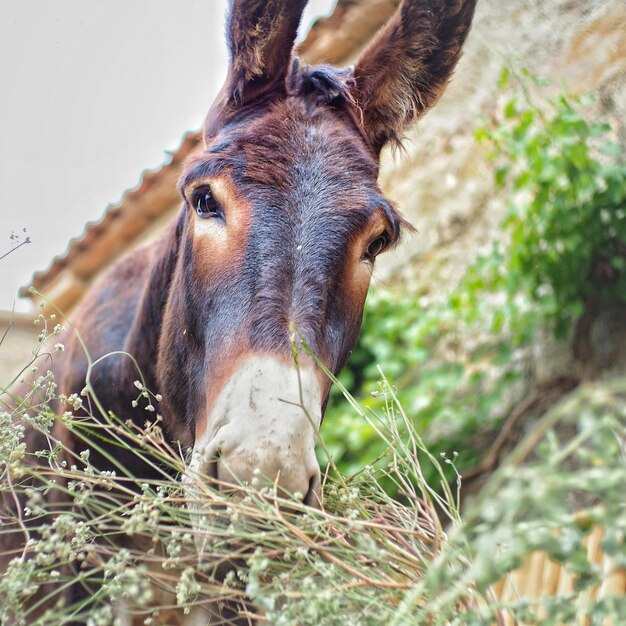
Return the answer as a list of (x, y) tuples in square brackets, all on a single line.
[(328, 85)]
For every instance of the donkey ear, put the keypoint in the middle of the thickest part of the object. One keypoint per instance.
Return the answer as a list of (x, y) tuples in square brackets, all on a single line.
[(260, 35), (406, 68)]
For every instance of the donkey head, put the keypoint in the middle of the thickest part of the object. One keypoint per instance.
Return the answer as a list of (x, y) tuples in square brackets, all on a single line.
[(281, 224)]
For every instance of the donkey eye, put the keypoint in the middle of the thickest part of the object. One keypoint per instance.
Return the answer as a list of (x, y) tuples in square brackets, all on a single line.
[(377, 246), (204, 202)]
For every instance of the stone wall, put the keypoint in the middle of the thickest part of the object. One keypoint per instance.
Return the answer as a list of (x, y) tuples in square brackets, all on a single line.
[(443, 183)]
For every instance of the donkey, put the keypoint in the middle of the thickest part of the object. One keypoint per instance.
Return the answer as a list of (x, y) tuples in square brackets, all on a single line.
[(280, 225)]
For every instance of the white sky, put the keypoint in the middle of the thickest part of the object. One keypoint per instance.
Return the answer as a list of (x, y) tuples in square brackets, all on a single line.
[(93, 93)]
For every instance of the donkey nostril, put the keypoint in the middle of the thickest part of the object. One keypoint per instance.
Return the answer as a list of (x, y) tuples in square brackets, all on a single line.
[(312, 497), (212, 471)]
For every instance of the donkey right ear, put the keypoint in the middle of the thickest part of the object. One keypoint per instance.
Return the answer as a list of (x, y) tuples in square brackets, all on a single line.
[(260, 36), (406, 68)]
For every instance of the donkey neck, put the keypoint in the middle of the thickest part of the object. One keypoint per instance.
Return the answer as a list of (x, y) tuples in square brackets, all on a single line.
[(144, 336)]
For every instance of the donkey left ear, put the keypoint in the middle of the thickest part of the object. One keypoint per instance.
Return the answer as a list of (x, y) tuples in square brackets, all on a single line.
[(406, 68), (260, 35)]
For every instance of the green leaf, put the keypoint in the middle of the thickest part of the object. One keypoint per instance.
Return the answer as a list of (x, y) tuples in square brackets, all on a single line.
[(510, 109), (503, 80), (612, 149), (501, 175)]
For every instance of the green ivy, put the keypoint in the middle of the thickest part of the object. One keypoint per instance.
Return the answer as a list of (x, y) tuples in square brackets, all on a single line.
[(455, 362), (565, 179)]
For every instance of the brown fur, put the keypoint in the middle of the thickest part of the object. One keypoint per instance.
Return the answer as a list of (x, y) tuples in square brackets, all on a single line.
[(406, 68)]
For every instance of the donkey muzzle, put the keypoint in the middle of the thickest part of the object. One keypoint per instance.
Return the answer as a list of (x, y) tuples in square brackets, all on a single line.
[(262, 430)]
